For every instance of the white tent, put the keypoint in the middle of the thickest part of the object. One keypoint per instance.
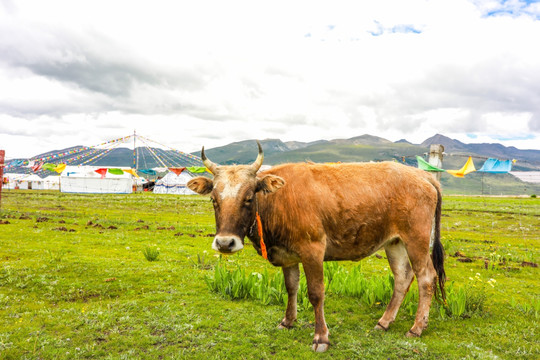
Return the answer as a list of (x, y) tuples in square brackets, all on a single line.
[(174, 184), (32, 182), (85, 179), (52, 182), (12, 180)]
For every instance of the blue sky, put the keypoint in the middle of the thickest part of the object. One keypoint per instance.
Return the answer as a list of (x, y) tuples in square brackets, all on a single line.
[(209, 73)]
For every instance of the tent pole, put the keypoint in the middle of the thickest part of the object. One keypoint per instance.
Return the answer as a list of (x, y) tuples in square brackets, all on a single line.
[(135, 149)]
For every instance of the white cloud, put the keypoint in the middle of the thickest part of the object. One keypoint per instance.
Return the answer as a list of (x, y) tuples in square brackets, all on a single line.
[(212, 72)]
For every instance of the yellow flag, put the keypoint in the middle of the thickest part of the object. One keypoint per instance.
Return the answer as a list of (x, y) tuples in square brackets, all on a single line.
[(60, 167), (466, 169), (132, 172)]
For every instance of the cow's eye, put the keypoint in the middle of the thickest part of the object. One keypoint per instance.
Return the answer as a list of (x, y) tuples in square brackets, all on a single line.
[(248, 202)]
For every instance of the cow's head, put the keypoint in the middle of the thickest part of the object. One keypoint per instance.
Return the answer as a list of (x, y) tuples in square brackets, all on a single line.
[(233, 192)]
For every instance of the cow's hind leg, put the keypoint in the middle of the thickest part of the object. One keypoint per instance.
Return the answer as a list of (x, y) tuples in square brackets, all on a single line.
[(426, 278), (403, 277), (292, 279)]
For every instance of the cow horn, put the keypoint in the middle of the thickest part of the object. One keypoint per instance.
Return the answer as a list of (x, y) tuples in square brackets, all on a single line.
[(259, 160), (209, 164)]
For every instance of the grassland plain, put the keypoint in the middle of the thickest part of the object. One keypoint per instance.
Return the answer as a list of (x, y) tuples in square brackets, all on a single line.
[(75, 284)]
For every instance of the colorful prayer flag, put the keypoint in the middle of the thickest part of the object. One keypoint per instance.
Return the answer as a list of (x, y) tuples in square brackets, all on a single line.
[(132, 172), (496, 166), (177, 170), (116, 171), (466, 169), (101, 172), (60, 168), (424, 165)]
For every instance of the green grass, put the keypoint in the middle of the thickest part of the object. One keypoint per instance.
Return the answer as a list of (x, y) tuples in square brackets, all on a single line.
[(76, 285)]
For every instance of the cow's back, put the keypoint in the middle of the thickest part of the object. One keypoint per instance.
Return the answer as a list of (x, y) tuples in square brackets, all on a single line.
[(354, 207)]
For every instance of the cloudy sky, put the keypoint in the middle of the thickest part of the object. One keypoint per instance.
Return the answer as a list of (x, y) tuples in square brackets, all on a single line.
[(193, 73)]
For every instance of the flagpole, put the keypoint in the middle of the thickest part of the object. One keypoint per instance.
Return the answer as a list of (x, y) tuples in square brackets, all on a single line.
[(135, 149)]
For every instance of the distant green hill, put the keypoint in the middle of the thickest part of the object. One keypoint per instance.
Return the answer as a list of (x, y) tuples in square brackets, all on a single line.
[(370, 148), (357, 149)]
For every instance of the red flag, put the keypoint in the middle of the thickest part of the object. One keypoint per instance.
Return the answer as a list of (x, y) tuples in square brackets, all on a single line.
[(37, 166), (101, 172), (177, 170)]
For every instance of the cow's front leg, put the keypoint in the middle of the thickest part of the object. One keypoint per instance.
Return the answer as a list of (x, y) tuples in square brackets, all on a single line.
[(315, 283), (292, 279)]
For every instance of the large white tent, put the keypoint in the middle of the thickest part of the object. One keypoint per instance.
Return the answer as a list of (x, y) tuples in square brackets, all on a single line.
[(174, 184), (52, 182), (85, 179)]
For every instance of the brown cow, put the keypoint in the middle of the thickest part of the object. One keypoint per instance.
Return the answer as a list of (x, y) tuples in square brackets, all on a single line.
[(332, 212)]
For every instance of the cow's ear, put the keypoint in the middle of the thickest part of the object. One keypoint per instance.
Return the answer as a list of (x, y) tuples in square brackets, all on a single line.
[(201, 185), (270, 183)]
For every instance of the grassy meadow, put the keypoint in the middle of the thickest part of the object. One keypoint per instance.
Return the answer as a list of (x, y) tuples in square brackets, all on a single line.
[(126, 277)]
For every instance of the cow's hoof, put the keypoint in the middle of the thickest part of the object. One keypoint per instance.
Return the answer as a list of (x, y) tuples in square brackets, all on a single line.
[(282, 326), (411, 334), (320, 347), (380, 327)]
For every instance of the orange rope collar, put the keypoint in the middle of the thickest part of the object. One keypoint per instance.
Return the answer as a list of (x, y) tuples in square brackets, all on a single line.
[(260, 231)]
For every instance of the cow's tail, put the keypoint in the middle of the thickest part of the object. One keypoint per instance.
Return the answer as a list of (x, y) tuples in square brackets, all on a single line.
[(437, 254)]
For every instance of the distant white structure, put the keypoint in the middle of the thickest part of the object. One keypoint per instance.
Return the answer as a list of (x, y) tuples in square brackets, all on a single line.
[(52, 182), (12, 180), (174, 184), (31, 182), (85, 179), (527, 176)]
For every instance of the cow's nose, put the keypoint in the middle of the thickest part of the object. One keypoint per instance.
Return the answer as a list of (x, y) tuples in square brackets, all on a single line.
[(227, 244)]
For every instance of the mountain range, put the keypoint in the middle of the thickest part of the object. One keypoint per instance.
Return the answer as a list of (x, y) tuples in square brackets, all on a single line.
[(368, 148), (355, 149)]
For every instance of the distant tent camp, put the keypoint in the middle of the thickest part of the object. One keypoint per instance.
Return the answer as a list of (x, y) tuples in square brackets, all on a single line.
[(31, 182), (174, 184), (97, 180), (52, 182), (11, 180)]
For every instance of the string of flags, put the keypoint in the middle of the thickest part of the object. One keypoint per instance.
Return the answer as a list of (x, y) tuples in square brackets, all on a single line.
[(32, 162), (491, 165), (59, 168)]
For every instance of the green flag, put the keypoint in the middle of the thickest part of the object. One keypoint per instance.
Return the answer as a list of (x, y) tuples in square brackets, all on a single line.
[(116, 171), (424, 165), (196, 169), (48, 166)]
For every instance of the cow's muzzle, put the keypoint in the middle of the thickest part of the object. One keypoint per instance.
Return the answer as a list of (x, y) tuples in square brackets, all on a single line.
[(227, 244)]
